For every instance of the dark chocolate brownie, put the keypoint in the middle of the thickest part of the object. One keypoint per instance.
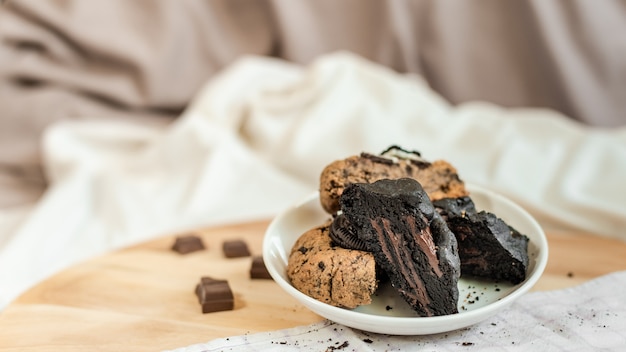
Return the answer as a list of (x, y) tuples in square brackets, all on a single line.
[(409, 240), (331, 274), (488, 247)]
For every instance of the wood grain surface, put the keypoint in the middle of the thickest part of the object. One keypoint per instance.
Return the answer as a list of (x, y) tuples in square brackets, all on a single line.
[(141, 298)]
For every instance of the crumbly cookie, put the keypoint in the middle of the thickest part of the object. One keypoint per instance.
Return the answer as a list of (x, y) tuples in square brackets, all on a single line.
[(331, 274), (439, 179)]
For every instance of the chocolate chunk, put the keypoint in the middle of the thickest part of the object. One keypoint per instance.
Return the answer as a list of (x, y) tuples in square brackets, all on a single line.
[(258, 269), (214, 295), (187, 244), (377, 159), (422, 164), (235, 249)]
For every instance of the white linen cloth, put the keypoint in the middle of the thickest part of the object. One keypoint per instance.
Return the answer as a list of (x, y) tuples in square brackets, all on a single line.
[(589, 317), (257, 137)]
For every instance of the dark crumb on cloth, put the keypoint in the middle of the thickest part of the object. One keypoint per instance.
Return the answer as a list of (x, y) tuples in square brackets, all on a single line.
[(340, 347)]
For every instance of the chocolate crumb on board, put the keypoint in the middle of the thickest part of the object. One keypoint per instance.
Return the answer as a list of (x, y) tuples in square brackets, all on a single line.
[(185, 244), (235, 249), (214, 295), (258, 270)]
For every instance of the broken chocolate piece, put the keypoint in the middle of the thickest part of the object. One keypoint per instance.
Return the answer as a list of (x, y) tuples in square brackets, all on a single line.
[(235, 249), (214, 295), (258, 269), (409, 241), (187, 244)]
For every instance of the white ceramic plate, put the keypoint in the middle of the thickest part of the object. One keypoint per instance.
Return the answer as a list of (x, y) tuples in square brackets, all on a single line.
[(388, 313)]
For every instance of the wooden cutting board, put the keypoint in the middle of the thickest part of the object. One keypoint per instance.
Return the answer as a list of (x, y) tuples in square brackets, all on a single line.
[(142, 298)]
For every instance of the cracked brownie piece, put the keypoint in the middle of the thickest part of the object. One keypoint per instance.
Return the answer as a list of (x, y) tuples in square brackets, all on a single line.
[(488, 247), (409, 240), (439, 179), (331, 274)]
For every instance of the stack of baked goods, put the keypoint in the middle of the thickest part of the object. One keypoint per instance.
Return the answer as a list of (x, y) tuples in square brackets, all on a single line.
[(398, 217)]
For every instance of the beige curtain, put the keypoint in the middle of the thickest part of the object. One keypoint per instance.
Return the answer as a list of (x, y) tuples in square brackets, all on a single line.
[(145, 60)]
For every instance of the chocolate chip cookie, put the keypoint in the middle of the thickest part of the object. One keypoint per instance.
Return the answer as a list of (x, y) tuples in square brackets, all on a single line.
[(439, 178), (331, 274)]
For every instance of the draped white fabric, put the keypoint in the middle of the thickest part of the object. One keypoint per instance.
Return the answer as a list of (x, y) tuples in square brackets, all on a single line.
[(256, 138)]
